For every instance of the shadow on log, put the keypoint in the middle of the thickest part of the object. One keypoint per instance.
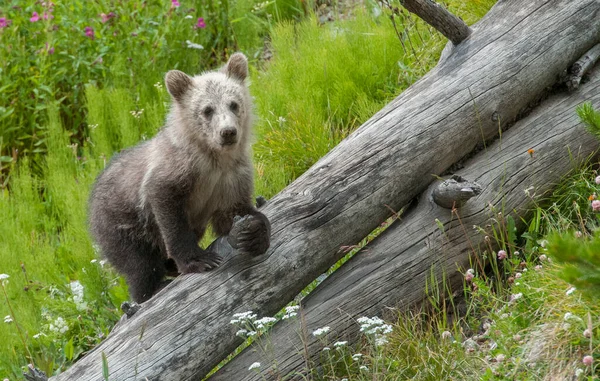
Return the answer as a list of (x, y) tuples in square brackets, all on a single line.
[(512, 56), (392, 270)]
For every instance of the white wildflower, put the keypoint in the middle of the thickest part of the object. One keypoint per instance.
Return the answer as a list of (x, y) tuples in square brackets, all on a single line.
[(339, 344), (579, 372), (357, 356), (189, 17), (77, 291), (364, 367), (500, 357), (243, 317), (321, 331), (38, 335), (252, 334), (254, 365), (59, 326), (4, 276), (325, 349), (515, 297), (241, 333), (570, 291), (446, 335), (265, 320), (8, 319), (193, 45)]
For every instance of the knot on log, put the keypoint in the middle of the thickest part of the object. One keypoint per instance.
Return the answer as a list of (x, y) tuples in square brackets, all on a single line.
[(454, 192)]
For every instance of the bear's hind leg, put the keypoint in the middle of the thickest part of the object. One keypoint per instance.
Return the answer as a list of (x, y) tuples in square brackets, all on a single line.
[(148, 276)]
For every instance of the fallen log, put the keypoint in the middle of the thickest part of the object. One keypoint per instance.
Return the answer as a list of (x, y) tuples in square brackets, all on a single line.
[(512, 56), (392, 270)]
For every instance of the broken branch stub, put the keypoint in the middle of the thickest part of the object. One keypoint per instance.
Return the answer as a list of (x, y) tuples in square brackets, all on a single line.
[(451, 26)]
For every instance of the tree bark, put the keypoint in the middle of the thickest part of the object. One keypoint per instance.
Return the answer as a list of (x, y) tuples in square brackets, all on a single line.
[(451, 26), (392, 270), (513, 55)]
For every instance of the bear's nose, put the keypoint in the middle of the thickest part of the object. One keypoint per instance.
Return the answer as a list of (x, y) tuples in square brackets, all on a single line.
[(229, 132), (228, 135)]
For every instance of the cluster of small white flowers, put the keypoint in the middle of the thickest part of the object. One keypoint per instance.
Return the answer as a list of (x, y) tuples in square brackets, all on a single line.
[(93, 126), (158, 85), (570, 291), (59, 326), (281, 120), (340, 344), (243, 317), (260, 6), (357, 356), (38, 335), (137, 114), (579, 372), (8, 319), (254, 365), (364, 367), (193, 45), (325, 349), (77, 290), (290, 312), (321, 331), (264, 321), (4, 278), (242, 333), (375, 327)]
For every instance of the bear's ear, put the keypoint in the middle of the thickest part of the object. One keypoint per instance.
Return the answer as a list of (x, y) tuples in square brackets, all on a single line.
[(237, 67), (178, 83)]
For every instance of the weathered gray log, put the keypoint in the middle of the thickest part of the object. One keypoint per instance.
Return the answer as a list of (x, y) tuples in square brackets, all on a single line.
[(392, 270), (512, 56), (451, 26), (581, 67)]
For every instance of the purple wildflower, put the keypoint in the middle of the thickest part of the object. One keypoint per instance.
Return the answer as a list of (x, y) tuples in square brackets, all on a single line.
[(502, 255), (89, 31), (4, 22), (175, 3), (34, 17), (596, 205), (49, 49), (200, 24)]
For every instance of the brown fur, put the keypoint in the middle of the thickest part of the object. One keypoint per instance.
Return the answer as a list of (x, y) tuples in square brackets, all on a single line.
[(152, 204)]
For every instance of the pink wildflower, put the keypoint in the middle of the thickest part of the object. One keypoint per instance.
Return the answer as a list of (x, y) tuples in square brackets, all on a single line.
[(34, 17), (588, 360), (469, 277), (597, 180), (48, 15), (175, 3), (596, 205), (105, 17), (502, 255), (518, 275), (89, 31), (4, 22), (200, 24)]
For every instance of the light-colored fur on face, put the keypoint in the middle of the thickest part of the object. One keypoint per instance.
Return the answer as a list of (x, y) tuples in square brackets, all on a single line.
[(211, 110)]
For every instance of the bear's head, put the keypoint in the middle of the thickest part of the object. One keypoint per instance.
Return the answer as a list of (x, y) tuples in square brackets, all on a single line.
[(213, 109)]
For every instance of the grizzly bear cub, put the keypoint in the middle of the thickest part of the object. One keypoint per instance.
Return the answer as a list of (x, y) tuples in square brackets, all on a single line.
[(151, 205)]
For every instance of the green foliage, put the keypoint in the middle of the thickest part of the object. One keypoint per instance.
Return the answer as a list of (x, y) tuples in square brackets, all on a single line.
[(581, 258), (590, 117), (128, 44)]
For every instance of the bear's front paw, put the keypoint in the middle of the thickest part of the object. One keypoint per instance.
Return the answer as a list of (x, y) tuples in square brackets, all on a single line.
[(250, 234), (205, 262)]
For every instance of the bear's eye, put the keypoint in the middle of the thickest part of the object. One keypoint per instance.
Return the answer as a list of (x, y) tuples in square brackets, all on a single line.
[(208, 111), (233, 106)]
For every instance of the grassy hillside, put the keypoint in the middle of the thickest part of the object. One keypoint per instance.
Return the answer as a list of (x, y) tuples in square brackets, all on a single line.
[(72, 96)]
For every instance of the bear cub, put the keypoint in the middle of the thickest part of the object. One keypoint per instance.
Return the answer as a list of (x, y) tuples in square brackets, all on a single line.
[(152, 203)]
